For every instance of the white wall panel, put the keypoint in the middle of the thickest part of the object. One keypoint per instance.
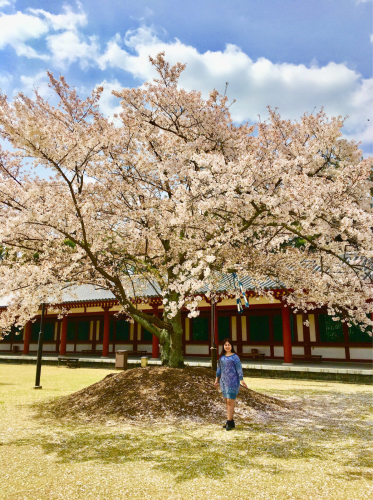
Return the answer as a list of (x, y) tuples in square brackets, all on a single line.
[(197, 349), (330, 352), (123, 347), (297, 350), (146, 347), (69, 347), (4, 347), (265, 349), (83, 347), (278, 351), (361, 353), (49, 348)]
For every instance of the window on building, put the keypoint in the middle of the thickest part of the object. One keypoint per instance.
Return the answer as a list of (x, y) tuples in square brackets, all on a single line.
[(70, 337), (35, 329), (15, 334), (123, 331), (49, 332), (277, 328), (223, 327), (83, 331), (330, 331), (259, 328), (200, 329), (355, 334), (146, 335)]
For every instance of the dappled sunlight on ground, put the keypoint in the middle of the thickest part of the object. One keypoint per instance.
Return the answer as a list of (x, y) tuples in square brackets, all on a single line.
[(322, 452)]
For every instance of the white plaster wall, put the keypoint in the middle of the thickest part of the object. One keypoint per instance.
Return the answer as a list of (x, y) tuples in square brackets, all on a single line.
[(197, 349), (49, 348), (4, 347), (123, 347), (265, 349), (330, 352), (297, 350), (33, 347), (99, 347), (278, 350), (83, 347), (146, 347), (69, 347), (20, 346), (361, 353)]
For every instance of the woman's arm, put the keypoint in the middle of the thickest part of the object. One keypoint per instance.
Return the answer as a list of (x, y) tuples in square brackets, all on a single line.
[(218, 375), (237, 364)]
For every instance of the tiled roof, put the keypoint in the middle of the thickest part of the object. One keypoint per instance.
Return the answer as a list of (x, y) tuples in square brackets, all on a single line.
[(88, 293)]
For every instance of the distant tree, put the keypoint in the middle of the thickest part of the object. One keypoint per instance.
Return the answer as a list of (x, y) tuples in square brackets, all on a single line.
[(171, 193)]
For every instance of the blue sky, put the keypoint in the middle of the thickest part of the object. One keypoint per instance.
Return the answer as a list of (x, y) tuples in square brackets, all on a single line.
[(295, 54)]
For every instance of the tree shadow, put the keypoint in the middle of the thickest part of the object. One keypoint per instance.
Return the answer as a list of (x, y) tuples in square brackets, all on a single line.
[(189, 451)]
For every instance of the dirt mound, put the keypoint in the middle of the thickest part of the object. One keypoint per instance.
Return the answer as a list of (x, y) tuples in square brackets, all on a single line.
[(159, 394)]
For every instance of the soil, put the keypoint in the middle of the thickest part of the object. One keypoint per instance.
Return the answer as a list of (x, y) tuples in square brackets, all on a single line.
[(161, 394)]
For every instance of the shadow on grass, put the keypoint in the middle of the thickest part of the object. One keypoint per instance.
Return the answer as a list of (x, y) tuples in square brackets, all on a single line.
[(188, 453), (192, 451)]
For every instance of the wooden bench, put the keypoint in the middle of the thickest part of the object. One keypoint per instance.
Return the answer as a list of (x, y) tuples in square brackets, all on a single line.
[(91, 351), (138, 353), (307, 357), (70, 362), (255, 354)]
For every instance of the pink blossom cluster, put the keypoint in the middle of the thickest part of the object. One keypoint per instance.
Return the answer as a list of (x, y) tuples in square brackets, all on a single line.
[(171, 195)]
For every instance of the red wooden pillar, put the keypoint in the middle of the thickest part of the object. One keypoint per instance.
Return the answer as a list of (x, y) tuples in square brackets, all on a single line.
[(155, 343), (26, 342), (286, 335), (63, 336), (105, 344)]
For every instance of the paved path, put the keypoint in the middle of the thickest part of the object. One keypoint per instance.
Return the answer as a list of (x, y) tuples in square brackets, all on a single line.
[(268, 365)]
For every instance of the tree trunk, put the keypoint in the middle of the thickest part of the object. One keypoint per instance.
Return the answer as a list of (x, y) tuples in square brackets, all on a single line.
[(176, 359), (172, 349), (171, 342)]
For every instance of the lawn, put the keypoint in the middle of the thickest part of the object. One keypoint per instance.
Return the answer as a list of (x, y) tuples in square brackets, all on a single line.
[(322, 453)]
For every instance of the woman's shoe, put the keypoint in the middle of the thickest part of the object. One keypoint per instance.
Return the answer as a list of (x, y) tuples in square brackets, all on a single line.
[(230, 425), (225, 425)]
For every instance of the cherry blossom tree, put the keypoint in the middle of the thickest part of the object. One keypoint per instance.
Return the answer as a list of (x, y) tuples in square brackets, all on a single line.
[(170, 194)]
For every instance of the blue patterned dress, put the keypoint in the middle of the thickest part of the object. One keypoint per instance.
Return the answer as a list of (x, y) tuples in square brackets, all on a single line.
[(230, 373)]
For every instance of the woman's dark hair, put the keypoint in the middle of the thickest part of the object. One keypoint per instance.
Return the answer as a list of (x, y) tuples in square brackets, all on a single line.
[(231, 343)]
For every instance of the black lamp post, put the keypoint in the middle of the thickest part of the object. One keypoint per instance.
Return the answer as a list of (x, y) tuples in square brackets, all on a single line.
[(214, 358), (40, 349)]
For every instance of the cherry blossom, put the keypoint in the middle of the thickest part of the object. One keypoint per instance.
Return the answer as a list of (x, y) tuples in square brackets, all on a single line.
[(172, 195)]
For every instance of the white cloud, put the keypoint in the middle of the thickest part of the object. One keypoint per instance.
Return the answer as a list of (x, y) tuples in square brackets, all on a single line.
[(38, 81), (294, 89), (5, 80), (69, 46), (69, 20), (109, 104), (5, 3), (16, 29), (371, 38)]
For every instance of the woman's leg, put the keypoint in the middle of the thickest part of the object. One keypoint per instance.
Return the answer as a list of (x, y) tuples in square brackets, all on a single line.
[(230, 408), (226, 403)]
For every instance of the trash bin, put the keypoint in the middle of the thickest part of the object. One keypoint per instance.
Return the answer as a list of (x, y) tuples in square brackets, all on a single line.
[(144, 362), (15, 348), (121, 358)]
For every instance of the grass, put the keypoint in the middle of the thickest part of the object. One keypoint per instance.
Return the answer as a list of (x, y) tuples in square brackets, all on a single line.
[(324, 453)]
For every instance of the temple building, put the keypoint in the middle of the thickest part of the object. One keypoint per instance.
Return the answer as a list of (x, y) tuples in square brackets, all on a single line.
[(267, 328)]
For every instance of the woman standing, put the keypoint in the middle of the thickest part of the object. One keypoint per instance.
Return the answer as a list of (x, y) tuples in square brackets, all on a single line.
[(230, 374)]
